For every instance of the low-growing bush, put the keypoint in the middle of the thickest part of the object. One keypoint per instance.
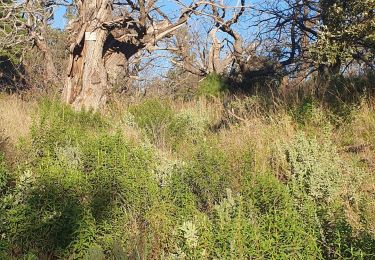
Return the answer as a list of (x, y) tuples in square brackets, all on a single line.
[(153, 116), (207, 175), (3, 175), (212, 85), (318, 176), (186, 127), (237, 228), (80, 179)]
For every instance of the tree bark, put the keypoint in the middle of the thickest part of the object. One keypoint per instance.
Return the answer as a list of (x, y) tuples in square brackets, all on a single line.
[(50, 72), (87, 80), (103, 43)]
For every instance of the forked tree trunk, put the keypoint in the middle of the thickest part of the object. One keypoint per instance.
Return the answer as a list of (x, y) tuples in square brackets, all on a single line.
[(102, 46), (86, 82)]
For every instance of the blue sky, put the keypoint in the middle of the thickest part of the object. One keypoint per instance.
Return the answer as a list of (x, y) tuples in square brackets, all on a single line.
[(59, 20), (168, 6)]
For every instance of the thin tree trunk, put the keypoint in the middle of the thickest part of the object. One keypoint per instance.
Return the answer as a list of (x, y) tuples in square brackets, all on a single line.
[(50, 72), (301, 76)]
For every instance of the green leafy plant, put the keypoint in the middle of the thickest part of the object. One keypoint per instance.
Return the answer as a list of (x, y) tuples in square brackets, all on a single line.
[(153, 116), (212, 85)]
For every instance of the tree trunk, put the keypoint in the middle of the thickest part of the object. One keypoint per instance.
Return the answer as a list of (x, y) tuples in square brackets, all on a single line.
[(50, 72), (102, 46), (86, 82)]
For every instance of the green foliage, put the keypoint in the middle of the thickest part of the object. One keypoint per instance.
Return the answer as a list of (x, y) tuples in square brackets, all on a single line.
[(152, 115), (207, 175), (348, 31), (4, 177), (239, 229), (4, 187), (315, 168), (186, 126), (79, 179), (305, 111), (86, 192), (319, 178), (164, 126), (212, 85)]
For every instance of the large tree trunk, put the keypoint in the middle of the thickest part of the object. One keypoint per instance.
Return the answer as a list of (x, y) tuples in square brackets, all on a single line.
[(86, 82), (103, 44)]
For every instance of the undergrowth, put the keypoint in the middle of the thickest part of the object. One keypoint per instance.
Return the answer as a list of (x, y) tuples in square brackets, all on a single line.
[(291, 183)]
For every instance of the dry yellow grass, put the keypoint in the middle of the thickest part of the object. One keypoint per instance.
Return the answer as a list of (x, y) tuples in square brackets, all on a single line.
[(15, 118), (259, 135), (211, 109)]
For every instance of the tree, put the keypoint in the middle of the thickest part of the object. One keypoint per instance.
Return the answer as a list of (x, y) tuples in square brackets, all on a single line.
[(105, 36), (224, 48), (318, 35), (25, 23), (11, 70), (200, 55), (347, 34)]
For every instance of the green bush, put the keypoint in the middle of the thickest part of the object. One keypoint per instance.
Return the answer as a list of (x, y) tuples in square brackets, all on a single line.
[(239, 229), (207, 175), (153, 116), (80, 179), (58, 125), (4, 188), (316, 168), (186, 127), (165, 127), (4, 176), (318, 177), (212, 85)]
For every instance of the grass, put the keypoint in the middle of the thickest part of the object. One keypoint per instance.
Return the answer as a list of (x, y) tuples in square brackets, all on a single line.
[(15, 116), (224, 177), (15, 123)]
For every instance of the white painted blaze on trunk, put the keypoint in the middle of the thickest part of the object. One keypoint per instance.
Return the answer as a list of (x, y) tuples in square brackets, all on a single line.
[(86, 82), (90, 36)]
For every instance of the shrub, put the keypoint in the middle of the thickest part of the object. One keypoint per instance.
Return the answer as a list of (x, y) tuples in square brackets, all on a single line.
[(79, 180), (186, 126), (4, 177), (59, 126), (4, 188), (318, 176), (212, 85), (308, 114), (315, 168), (87, 192), (236, 231), (207, 175), (153, 116)]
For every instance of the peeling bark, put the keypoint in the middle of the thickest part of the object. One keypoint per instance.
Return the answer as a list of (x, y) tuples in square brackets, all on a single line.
[(103, 44), (87, 79)]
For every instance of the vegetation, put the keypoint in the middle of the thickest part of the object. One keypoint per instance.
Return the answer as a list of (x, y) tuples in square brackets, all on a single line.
[(348, 31), (204, 130), (212, 85), (291, 180)]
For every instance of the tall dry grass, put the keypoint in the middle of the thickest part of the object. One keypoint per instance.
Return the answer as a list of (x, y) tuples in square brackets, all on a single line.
[(15, 123)]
